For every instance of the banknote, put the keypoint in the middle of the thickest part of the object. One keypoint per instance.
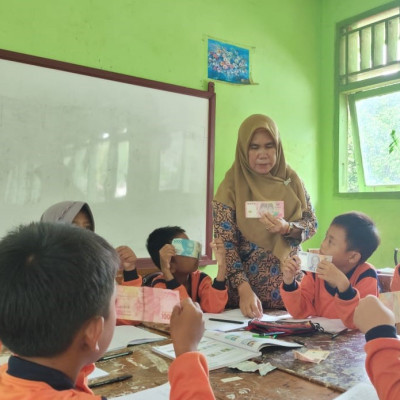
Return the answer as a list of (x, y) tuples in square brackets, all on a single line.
[(314, 356), (145, 303), (187, 248), (310, 261), (256, 209)]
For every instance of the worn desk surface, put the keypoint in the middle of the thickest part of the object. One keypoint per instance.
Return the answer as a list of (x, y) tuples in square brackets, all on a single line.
[(344, 367), (294, 379), (150, 370)]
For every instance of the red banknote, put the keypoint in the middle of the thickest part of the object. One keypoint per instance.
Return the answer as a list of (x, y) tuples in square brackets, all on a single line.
[(145, 303)]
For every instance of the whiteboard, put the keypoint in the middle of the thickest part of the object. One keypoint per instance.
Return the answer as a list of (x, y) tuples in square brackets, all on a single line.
[(139, 152)]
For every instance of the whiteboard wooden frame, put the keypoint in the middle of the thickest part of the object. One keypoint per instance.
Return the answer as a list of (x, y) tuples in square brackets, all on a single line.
[(131, 80)]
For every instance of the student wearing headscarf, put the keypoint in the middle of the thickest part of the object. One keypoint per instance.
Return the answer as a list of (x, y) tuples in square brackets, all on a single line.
[(80, 214), (255, 247)]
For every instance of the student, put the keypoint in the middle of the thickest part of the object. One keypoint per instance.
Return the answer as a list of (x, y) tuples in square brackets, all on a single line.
[(57, 316), (333, 291), (382, 347), (80, 214), (181, 272)]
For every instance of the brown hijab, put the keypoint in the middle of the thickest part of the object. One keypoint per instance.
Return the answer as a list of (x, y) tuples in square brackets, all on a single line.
[(66, 211), (242, 184)]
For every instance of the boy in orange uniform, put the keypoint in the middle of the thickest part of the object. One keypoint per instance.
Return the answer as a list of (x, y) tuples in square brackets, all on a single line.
[(181, 272), (382, 348), (57, 315), (334, 290)]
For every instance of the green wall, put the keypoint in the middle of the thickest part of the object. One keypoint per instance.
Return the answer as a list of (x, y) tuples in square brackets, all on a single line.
[(384, 209), (165, 40)]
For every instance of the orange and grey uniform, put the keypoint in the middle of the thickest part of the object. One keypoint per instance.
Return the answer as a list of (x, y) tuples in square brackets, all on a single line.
[(212, 296), (24, 380), (315, 297), (383, 361), (395, 284)]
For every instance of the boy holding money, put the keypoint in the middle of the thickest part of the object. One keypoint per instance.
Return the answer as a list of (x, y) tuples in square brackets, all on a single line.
[(335, 288), (382, 347), (57, 291), (180, 269)]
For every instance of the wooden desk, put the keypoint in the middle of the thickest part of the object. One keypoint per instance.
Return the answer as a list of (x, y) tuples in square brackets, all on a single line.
[(150, 369), (344, 367)]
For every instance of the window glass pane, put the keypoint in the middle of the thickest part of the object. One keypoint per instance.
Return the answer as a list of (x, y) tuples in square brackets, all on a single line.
[(352, 180), (377, 116)]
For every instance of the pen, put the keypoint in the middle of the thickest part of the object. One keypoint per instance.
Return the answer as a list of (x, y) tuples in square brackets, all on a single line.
[(299, 342), (111, 380), (226, 320), (111, 356), (338, 333), (262, 335)]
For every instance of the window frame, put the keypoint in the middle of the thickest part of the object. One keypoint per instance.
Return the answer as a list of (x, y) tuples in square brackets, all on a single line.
[(346, 95)]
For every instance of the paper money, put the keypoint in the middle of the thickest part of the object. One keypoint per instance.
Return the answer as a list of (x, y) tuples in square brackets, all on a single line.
[(256, 209), (145, 303), (310, 261), (187, 248), (251, 366), (314, 356)]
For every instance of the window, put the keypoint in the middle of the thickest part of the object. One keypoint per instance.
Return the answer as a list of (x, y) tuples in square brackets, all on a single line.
[(368, 82)]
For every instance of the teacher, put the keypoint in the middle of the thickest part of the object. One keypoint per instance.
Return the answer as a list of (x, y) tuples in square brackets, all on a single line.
[(255, 247)]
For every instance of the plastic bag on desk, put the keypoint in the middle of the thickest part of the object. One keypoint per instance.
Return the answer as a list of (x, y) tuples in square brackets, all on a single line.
[(283, 328)]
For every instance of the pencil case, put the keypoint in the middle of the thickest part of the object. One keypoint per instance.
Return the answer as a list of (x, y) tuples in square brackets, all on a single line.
[(283, 328)]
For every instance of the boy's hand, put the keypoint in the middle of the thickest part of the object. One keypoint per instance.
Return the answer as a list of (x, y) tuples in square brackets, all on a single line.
[(187, 326), (250, 305), (371, 312), (127, 258), (290, 268), (333, 275), (218, 247), (273, 224), (166, 253)]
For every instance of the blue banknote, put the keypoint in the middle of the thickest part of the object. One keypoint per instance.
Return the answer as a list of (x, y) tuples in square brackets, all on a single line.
[(187, 247)]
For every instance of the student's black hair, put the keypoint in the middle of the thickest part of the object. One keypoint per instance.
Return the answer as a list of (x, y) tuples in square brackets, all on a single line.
[(361, 233), (53, 278), (160, 237)]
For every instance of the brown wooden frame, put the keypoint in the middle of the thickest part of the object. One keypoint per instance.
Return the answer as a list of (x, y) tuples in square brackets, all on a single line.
[(143, 263)]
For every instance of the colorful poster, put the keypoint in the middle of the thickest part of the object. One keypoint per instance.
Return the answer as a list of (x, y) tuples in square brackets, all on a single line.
[(228, 63)]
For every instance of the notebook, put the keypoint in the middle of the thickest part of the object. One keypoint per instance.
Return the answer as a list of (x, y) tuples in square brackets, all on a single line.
[(223, 349), (128, 335)]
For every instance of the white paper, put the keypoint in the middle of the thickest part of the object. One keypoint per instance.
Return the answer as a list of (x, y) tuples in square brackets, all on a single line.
[(97, 373), (158, 393), (330, 325), (235, 315), (363, 390), (125, 335)]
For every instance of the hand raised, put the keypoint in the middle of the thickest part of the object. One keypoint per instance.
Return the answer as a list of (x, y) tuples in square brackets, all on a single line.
[(127, 258), (187, 326)]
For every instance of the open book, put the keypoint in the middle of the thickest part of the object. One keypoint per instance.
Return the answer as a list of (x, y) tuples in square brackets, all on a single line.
[(128, 335), (223, 349)]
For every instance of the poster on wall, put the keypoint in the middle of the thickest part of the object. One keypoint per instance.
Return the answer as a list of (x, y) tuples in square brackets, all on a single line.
[(228, 63)]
